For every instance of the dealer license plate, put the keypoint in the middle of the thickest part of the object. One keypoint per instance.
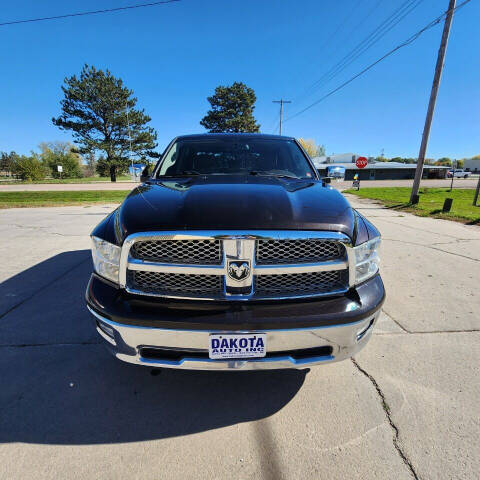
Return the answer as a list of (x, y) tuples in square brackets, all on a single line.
[(237, 345)]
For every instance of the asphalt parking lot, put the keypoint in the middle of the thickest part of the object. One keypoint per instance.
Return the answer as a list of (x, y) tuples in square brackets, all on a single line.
[(406, 407)]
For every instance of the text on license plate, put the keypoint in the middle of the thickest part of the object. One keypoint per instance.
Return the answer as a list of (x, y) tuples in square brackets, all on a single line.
[(237, 345)]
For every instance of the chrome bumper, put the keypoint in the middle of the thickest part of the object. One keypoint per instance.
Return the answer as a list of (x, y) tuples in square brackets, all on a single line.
[(126, 342)]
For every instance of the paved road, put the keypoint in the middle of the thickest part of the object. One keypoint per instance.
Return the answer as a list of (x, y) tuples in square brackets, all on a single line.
[(43, 187), (407, 407), (458, 183)]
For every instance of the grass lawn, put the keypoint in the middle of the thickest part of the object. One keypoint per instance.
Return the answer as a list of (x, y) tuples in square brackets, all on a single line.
[(120, 178), (58, 199), (430, 204)]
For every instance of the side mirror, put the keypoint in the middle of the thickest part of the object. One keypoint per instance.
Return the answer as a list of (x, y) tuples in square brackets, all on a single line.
[(326, 181), (145, 175)]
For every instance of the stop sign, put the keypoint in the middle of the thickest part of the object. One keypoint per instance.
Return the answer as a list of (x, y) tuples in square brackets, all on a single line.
[(361, 162)]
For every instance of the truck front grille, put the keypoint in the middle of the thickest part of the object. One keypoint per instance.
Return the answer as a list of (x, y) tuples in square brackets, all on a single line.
[(271, 252), (226, 265), (206, 252), (175, 284), (300, 283)]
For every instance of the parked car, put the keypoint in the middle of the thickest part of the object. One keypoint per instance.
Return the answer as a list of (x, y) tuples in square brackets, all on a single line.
[(234, 254), (458, 173), (336, 171)]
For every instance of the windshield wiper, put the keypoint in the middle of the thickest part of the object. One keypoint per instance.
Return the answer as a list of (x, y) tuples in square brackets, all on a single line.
[(269, 174), (189, 172)]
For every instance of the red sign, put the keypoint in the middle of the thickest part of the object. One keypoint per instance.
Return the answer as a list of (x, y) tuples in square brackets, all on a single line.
[(361, 162)]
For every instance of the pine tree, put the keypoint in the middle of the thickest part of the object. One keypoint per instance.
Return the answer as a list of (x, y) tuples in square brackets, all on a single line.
[(100, 111), (232, 110)]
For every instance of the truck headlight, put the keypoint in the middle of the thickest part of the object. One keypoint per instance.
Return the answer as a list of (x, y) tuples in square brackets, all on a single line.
[(106, 258), (366, 260)]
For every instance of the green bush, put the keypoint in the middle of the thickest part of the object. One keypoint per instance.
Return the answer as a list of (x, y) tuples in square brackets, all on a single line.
[(61, 153), (29, 168)]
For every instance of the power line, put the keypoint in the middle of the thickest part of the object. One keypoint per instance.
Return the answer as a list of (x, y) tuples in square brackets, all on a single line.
[(386, 26), (341, 24), (93, 12), (409, 40), (368, 43), (334, 34), (310, 88)]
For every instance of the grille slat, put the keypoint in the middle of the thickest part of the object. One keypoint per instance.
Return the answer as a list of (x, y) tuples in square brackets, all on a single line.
[(300, 283), (271, 252), (175, 284), (205, 252)]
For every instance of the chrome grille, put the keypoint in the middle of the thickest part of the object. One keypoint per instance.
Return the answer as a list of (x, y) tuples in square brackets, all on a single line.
[(197, 264), (270, 252), (206, 252), (301, 283), (176, 283)]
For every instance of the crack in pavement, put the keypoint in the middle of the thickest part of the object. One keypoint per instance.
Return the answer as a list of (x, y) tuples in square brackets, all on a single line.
[(426, 332), (412, 332), (423, 230), (386, 409), (430, 247), (42, 229), (43, 288), (458, 240), (396, 321)]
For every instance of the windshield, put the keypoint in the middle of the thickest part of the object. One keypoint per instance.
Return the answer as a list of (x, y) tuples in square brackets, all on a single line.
[(235, 156)]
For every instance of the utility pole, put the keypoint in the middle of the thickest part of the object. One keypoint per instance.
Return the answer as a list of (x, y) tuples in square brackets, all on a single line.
[(433, 99), (281, 102), (475, 198), (453, 174), (130, 142)]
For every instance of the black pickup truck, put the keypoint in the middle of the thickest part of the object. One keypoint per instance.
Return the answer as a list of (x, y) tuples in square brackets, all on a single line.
[(234, 254)]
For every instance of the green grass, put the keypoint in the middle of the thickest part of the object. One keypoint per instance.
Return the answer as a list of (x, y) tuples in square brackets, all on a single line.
[(430, 204), (58, 199), (120, 178)]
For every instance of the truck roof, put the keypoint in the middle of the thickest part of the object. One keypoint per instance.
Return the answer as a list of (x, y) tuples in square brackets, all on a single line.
[(234, 135)]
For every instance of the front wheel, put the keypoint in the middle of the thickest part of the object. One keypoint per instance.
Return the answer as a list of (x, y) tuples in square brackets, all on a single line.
[(465, 176)]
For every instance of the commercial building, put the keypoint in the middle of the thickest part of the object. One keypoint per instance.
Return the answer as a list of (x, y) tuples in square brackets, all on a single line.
[(472, 165), (376, 170)]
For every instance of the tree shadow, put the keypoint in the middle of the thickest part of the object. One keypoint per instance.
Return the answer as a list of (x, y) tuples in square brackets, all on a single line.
[(61, 386)]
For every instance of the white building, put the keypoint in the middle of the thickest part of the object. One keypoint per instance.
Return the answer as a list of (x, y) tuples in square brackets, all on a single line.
[(472, 164), (339, 158)]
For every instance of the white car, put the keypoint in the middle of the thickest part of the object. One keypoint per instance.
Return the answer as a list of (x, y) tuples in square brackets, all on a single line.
[(458, 173)]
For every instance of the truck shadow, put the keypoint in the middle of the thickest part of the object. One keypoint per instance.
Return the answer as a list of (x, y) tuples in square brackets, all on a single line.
[(60, 386)]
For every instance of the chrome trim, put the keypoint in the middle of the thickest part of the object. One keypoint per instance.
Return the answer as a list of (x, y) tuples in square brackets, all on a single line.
[(233, 249), (281, 269), (142, 265), (238, 250), (343, 338), (239, 298)]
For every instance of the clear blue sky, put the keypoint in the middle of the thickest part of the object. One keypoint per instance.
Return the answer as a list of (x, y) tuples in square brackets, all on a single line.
[(173, 56)]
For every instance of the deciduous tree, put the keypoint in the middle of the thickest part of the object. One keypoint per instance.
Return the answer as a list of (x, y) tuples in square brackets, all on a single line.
[(29, 168), (54, 154), (312, 148)]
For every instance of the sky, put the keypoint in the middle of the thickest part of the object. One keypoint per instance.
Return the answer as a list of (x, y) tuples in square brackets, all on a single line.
[(173, 56)]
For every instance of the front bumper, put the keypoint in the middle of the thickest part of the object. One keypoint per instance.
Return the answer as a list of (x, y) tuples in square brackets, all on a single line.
[(299, 334)]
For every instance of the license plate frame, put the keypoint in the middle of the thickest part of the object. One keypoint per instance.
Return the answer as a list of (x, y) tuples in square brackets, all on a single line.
[(227, 346)]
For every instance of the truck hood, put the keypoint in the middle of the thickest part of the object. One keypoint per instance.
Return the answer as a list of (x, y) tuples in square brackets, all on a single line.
[(234, 203)]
